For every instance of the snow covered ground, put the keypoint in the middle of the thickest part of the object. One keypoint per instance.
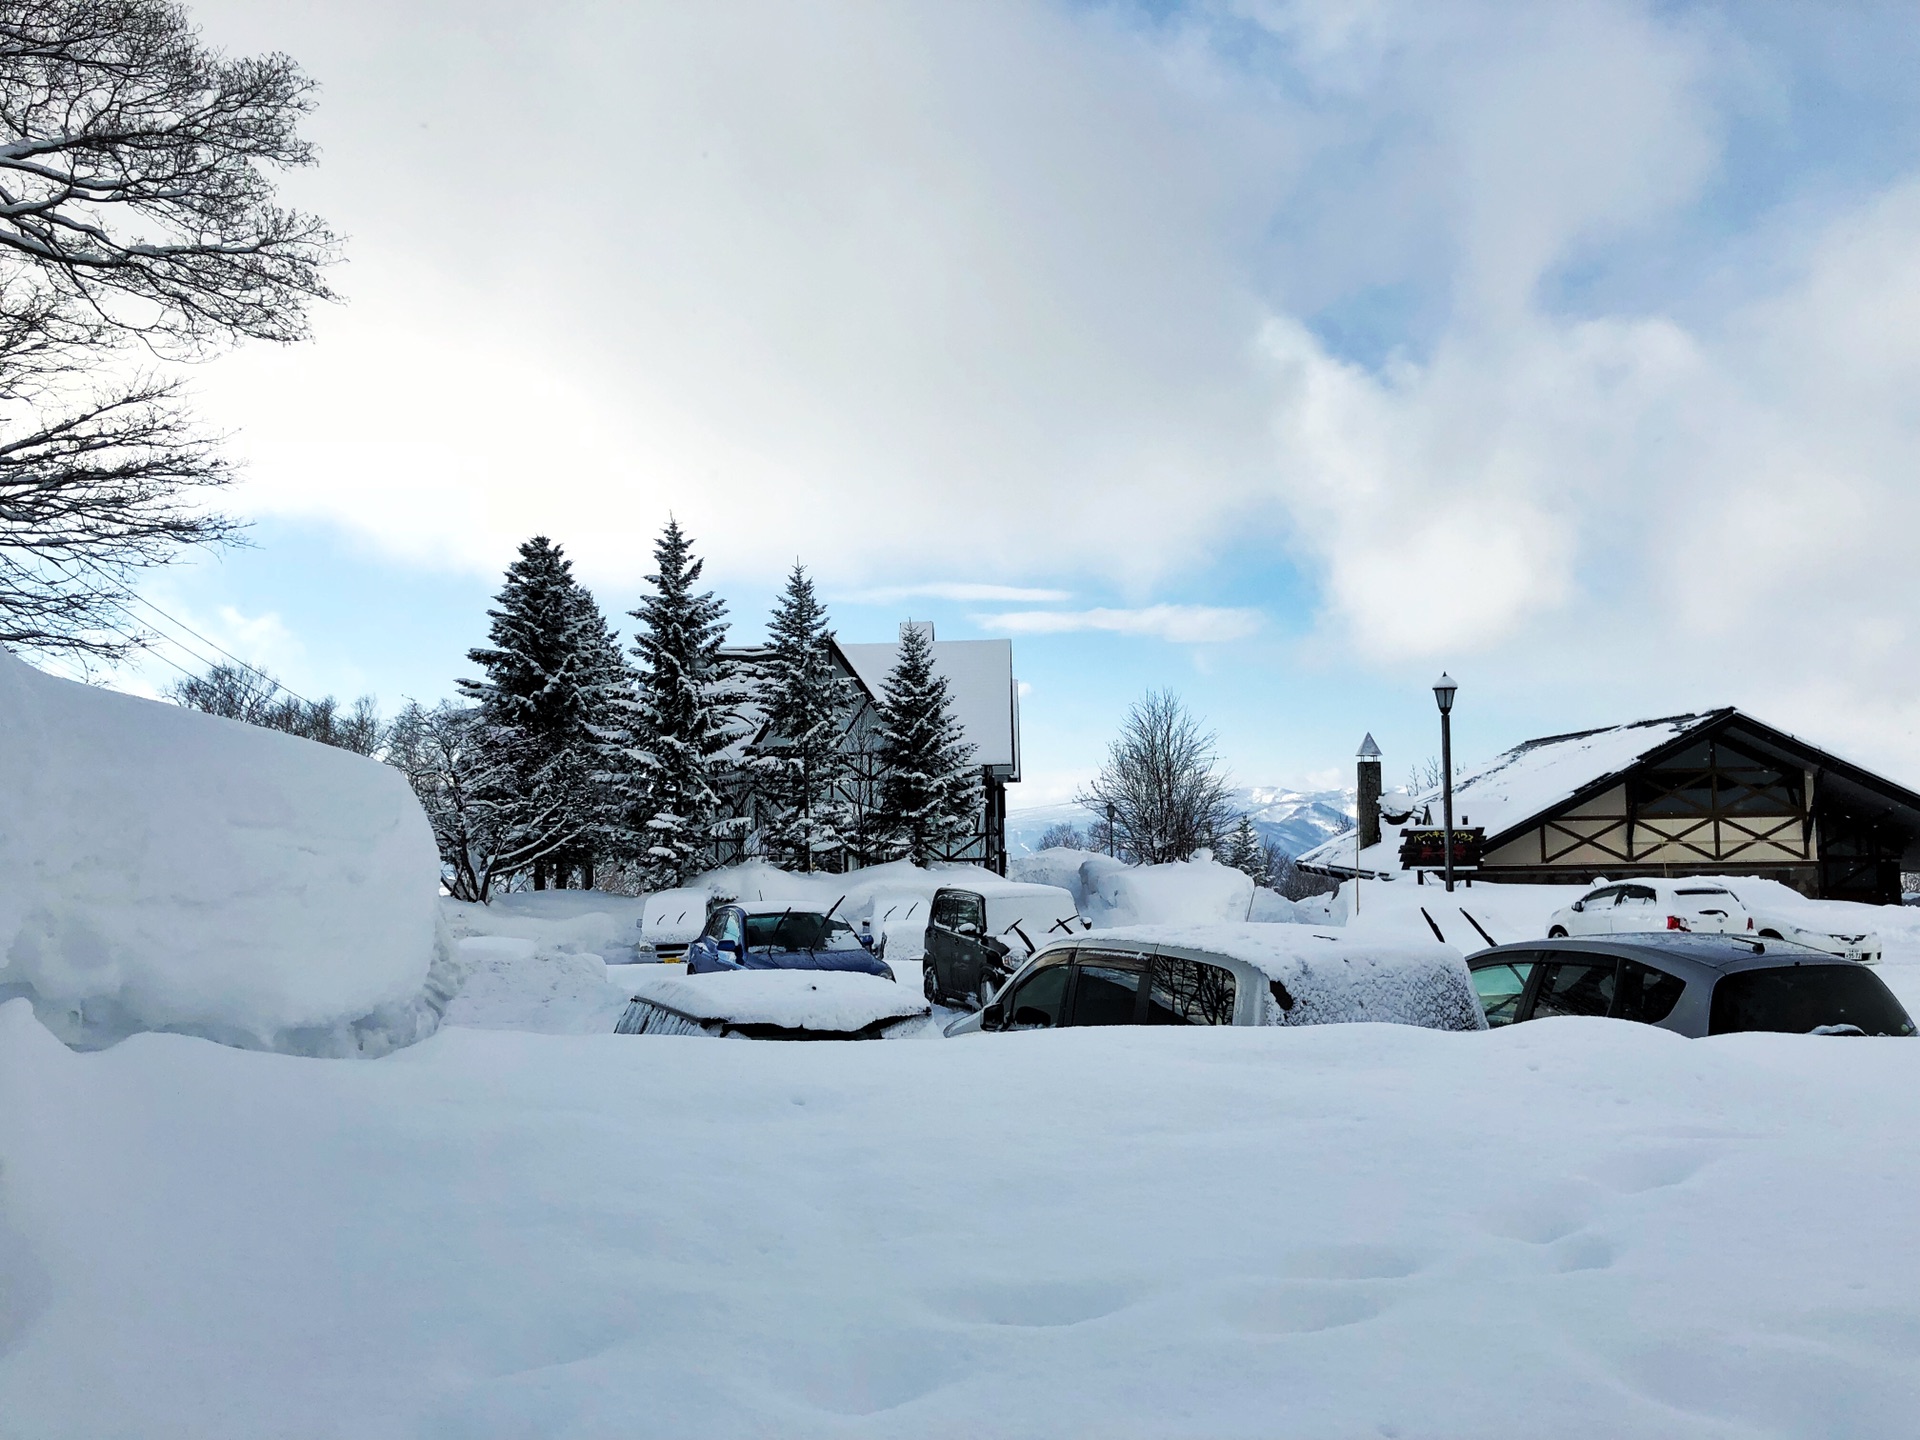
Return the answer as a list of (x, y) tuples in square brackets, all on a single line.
[(1571, 1228)]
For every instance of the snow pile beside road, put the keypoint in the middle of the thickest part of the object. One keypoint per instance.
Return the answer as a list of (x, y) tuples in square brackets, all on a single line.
[(1186, 892), (832, 1001), (575, 921), (161, 869), (1349, 1230)]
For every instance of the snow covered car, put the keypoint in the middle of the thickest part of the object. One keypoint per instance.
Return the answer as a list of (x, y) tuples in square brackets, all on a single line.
[(1225, 974), (672, 921), (779, 935), (780, 1004), (977, 936), (1691, 984), (1701, 906)]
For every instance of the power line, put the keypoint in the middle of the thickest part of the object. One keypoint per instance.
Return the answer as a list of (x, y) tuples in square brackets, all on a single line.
[(124, 590)]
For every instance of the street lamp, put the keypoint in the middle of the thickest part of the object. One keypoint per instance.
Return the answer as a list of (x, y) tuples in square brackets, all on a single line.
[(1443, 689)]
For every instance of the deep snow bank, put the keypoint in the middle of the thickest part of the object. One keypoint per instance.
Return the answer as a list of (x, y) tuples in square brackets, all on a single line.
[(1111, 892), (1343, 1231), (161, 869)]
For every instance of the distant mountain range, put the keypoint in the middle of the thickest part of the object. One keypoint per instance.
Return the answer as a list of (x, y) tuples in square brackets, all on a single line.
[(1294, 820)]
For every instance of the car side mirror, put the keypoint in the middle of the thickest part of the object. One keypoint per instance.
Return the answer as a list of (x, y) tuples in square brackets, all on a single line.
[(1580, 905), (996, 945), (729, 947), (990, 1016)]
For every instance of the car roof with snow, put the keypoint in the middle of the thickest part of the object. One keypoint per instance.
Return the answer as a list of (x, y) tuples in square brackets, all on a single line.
[(1325, 976), (1722, 953)]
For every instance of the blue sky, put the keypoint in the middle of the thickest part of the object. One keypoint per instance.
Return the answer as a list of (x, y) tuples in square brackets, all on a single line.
[(1315, 347)]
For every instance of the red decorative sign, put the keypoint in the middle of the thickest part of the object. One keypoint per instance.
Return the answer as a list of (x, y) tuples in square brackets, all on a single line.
[(1427, 849)]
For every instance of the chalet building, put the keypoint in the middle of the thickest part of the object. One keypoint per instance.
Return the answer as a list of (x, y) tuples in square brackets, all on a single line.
[(985, 702), (1716, 793)]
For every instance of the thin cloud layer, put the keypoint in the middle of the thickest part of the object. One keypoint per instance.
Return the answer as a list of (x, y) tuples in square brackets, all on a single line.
[(1181, 624)]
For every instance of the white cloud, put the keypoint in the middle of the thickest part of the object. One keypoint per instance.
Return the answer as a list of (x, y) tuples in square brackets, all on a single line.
[(899, 289), (1181, 624), (955, 590)]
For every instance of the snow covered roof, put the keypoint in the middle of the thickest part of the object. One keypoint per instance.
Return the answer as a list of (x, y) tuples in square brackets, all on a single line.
[(979, 675), (1514, 788)]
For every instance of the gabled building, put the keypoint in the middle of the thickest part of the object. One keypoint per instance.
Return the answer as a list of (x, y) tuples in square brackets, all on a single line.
[(1713, 793), (986, 703)]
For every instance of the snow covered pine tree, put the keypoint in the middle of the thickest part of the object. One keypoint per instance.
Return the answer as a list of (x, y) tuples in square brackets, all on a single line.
[(545, 710), (682, 717), (806, 703), (1243, 849), (929, 794)]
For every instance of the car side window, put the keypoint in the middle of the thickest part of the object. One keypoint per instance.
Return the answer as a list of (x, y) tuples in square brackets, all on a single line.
[(1646, 994), (1106, 988), (941, 916), (714, 923), (1600, 899), (970, 915), (1189, 992), (732, 929), (1637, 895), (1576, 987), (1040, 999), (1500, 984)]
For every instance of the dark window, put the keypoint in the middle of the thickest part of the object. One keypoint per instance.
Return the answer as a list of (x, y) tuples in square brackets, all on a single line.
[(1575, 987), (1189, 992), (1637, 895), (943, 914), (1600, 899), (1500, 984), (792, 930), (1646, 994), (1038, 1001), (1801, 998), (969, 915), (1106, 990), (716, 923)]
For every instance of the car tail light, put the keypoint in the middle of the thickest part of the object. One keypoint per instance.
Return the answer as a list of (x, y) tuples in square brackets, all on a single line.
[(1674, 922)]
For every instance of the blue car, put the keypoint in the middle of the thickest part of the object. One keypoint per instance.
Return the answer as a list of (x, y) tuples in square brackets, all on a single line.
[(779, 935)]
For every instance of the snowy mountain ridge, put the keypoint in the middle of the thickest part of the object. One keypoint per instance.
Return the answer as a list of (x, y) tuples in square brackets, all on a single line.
[(1295, 820)]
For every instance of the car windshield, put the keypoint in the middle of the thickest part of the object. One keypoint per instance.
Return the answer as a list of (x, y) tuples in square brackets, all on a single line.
[(1800, 999), (798, 930)]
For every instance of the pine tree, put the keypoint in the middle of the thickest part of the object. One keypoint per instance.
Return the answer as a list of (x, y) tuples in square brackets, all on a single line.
[(542, 706), (929, 792), (1244, 850), (805, 703), (681, 719)]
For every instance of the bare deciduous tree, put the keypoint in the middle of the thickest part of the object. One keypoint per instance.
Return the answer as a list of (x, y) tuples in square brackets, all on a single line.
[(1063, 835), (136, 209), (241, 693), (485, 831), (1167, 795)]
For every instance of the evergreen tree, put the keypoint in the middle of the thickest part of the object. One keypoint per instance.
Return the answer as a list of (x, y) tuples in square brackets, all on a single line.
[(1243, 849), (805, 701), (680, 720), (929, 792), (541, 710)]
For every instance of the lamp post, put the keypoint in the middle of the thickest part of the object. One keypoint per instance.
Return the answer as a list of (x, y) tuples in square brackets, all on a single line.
[(1443, 689)]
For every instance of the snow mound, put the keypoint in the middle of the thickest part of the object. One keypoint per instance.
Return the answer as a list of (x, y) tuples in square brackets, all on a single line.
[(584, 921), (1186, 892), (835, 1002), (161, 869), (522, 985), (1334, 978), (1271, 907)]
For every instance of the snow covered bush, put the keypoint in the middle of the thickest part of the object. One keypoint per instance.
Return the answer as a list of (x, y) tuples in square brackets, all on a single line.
[(162, 869)]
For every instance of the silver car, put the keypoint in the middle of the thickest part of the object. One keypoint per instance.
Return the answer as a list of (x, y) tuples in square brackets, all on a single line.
[(1690, 984)]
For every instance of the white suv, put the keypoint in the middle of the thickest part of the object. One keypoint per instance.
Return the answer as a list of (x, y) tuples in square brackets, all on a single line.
[(1698, 905)]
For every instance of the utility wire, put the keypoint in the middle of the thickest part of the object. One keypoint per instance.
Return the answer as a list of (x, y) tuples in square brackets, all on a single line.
[(123, 589)]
